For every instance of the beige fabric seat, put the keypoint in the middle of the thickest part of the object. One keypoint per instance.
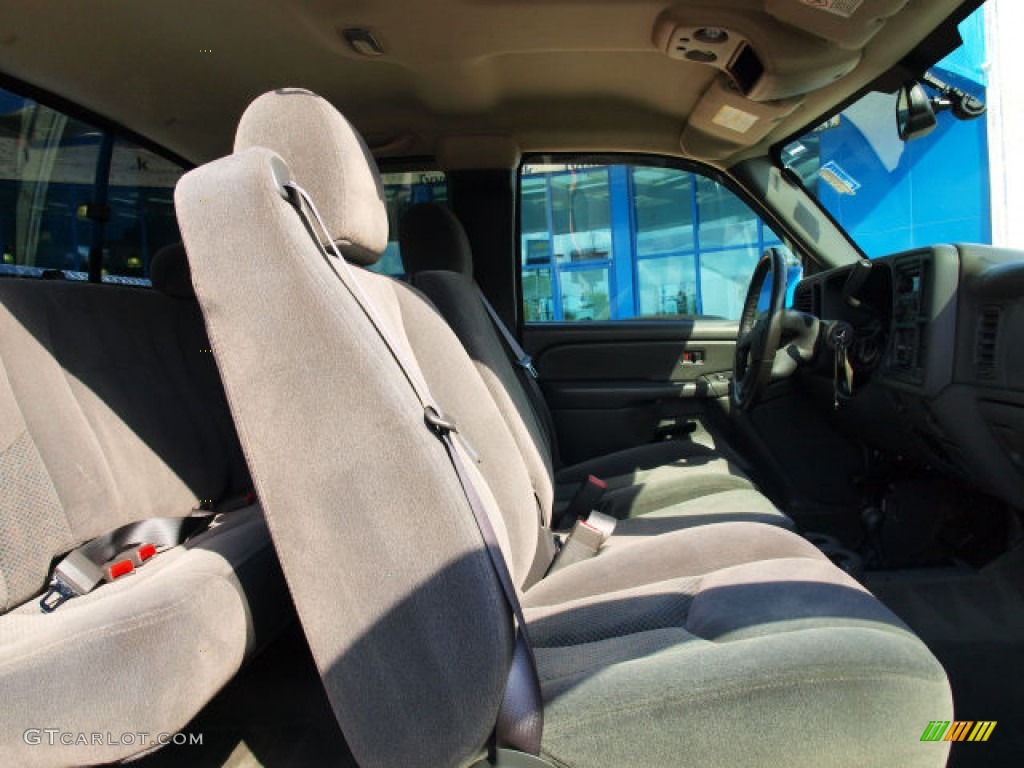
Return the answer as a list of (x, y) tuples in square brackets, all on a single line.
[(726, 644), (713, 646), (111, 411), (683, 482)]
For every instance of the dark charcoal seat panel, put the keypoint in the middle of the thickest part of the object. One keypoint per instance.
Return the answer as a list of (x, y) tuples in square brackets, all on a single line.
[(111, 411), (723, 629), (733, 644)]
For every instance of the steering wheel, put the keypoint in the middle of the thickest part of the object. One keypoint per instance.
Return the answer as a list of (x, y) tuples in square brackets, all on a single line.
[(760, 332)]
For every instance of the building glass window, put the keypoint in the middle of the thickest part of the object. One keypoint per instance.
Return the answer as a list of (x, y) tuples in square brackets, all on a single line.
[(566, 242), (47, 172), (402, 190), (623, 242), (69, 189), (141, 204)]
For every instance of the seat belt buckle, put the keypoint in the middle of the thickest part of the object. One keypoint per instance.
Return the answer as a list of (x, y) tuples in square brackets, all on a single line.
[(587, 497), (603, 523), (138, 555), (117, 568), (77, 575), (584, 541)]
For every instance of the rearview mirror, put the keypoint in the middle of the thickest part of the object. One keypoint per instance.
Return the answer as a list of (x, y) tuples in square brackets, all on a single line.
[(914, 114)]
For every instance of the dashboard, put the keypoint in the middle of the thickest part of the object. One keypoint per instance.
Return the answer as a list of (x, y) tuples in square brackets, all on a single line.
[(938, 358)]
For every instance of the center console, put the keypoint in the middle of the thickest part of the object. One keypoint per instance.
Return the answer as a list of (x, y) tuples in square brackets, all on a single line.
[(908, 337)]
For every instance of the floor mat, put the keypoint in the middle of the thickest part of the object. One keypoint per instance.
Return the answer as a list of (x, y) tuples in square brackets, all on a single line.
[(974, 623)]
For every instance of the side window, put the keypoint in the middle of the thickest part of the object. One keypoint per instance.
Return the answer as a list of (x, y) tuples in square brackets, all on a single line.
[(402, 190), (141, 205), (47, 173), (66, 186), (622, 242)]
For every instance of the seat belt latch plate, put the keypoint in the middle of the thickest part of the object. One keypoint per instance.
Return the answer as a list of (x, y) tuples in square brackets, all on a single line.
[(75, 575), (526, 363)]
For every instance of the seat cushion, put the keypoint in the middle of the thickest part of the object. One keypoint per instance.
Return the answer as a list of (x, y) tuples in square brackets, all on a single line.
[(105, 662), (670, 485), (730, 644), (740, 505), (635, 464)]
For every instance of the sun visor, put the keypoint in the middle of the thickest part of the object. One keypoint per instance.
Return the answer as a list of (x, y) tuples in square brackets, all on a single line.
[(848, 23), (724, 121)]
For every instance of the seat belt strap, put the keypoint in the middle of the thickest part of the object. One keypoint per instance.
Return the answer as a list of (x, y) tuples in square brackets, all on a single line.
[(520, 719), (117, 553), (522, 359), (524, 363)]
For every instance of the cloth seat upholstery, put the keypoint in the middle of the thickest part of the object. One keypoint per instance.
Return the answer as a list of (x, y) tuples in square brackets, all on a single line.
[(653, 477), (704, 629)]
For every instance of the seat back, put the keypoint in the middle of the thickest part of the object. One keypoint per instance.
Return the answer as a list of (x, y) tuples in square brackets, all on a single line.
[(386, 566), (438, 261), (111, 411)]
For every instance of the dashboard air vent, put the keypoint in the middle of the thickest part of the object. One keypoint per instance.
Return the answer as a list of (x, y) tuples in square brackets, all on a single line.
[(986, 341), (909, 269), (803, 299)]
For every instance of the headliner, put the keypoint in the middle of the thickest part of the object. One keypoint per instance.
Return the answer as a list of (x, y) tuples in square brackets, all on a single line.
[(550, 75)]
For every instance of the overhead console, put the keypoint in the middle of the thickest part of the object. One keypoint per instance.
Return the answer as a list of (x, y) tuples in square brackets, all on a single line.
[(768, 57), (764, 59)]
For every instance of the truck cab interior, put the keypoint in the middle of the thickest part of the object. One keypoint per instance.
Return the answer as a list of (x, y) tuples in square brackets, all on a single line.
[(489, 383)]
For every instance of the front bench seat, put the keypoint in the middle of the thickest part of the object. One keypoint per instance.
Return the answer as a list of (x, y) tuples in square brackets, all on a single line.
[(698, 646), (682, 482), (111, 411)]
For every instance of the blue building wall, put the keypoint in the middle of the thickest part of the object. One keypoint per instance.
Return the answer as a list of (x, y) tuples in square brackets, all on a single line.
[(935, 189)]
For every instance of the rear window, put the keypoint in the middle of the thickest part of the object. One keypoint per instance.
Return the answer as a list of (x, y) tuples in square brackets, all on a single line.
[(402, 190), (69, 190)]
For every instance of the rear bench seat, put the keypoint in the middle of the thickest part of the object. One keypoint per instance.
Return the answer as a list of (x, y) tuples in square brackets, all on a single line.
[(112, 411)]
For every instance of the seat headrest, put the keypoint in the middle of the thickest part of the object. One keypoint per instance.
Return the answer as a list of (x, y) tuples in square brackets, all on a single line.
[(329, 159), (170, 274), (431, 237)]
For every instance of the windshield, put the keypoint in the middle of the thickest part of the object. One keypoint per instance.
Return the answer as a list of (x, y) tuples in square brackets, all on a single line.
[(892, 195)]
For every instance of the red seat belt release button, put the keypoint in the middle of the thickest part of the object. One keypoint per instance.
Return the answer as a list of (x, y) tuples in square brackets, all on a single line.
[(118, 568)]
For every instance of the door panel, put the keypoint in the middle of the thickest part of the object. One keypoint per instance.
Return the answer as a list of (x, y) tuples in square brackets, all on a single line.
[(633, 276), (612, 386)]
